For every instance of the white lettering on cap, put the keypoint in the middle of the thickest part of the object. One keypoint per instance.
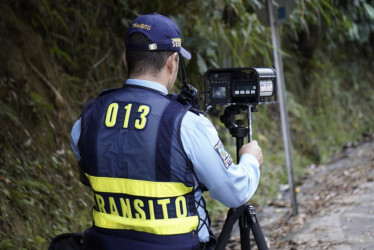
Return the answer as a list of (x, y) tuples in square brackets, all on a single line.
[(141, 26)]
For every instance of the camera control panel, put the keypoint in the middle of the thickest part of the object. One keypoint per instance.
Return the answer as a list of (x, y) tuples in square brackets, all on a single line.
[(239, 86)]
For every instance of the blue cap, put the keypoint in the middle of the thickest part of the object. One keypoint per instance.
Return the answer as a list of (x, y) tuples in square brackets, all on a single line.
[(162, 32)]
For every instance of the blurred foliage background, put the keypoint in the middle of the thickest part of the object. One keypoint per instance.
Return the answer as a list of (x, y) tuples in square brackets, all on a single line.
[(56, 55)]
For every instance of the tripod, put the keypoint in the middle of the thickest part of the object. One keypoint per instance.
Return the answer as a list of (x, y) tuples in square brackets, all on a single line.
[(246, 214)]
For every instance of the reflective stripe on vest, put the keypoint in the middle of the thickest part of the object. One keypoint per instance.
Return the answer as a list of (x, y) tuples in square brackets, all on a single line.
[(130, 204), (138, 187), (160, 227)]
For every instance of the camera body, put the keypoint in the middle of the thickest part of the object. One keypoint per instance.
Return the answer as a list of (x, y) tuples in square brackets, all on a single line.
[(240, 86)]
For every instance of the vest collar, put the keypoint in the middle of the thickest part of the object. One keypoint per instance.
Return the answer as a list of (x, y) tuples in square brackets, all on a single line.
[(147, 84)]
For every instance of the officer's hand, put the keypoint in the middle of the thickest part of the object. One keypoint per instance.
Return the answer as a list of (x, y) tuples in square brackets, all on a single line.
[(253, 149)]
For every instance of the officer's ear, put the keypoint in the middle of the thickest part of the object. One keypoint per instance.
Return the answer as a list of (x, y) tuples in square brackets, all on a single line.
[(124, 59), (172, 63)]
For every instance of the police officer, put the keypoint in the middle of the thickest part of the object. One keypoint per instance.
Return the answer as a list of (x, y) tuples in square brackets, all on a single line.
[(147, 157)]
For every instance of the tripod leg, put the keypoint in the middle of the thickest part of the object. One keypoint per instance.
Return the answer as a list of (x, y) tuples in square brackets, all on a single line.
[(232, 216), (256, 229), (244, 232)]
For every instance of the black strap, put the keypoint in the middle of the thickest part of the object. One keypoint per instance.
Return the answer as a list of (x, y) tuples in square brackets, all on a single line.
[(67, 241)]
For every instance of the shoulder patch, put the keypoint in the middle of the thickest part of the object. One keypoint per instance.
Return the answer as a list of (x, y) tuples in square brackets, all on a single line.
[(222, 152)]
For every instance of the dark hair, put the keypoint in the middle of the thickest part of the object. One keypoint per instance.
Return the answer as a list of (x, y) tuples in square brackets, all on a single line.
[(140, 62)]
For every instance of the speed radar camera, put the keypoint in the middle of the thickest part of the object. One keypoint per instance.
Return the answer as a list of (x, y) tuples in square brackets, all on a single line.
[(240, 86), (240, 89)]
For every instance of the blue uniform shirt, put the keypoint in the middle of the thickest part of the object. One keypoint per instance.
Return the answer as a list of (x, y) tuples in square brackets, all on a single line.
[(231, 184)]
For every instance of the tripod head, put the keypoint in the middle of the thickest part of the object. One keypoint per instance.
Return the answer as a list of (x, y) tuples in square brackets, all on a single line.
[(234, 126), (228, 117)]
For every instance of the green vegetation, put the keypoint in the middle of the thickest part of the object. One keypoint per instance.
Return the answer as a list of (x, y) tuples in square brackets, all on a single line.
[(56, 55)]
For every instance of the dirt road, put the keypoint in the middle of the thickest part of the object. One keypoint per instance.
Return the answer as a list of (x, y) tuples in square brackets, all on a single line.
[(335, 203)]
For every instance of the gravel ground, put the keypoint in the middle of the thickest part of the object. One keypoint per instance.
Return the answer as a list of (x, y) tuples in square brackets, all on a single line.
[(335, 203)]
